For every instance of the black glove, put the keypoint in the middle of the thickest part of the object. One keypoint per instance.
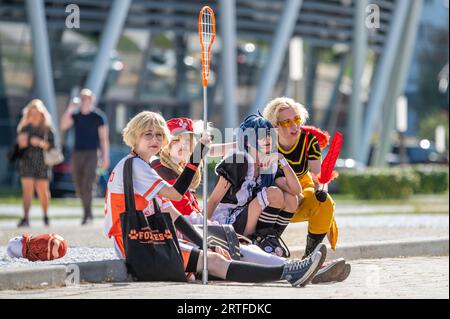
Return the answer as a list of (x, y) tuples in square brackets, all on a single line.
[(187, 175), (321, 195)]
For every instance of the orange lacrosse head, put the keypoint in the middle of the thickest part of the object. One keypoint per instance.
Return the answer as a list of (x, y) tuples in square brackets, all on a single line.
[(207, 33)]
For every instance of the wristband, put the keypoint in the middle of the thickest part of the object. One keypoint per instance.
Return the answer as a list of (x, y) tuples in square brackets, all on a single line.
[(198, 154)]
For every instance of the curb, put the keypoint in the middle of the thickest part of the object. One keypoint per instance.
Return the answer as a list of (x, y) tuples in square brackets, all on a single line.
[(115, 270), (28, 278), (103, 271), (386, 249)]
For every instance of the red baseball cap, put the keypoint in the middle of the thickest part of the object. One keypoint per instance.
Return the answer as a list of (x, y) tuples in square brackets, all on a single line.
[(180, 125)]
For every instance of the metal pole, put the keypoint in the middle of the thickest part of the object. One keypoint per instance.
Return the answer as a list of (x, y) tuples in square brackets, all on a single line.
[(230, 115), (143, 73), (310, 81), (398, 80), (279, 45), (332, 107), (355, 113), (110, 37), (41, 60), (205, 193), (381, 81)]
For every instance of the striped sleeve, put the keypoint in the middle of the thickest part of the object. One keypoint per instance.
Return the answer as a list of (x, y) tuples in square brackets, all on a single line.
[(314, 149), (146, 181)]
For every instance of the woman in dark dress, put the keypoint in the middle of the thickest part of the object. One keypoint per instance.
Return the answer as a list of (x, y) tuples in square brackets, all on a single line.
[(34, 135)]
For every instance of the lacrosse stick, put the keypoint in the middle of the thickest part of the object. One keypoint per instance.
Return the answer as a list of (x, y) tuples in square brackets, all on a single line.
[(206, 33)]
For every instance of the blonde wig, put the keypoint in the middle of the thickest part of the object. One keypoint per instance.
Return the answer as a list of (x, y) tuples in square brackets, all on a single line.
[(26, 117), (141, 123), (274, 107)]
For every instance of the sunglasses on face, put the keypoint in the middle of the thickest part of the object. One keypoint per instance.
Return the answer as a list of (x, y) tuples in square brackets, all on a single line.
[(150, 136), (287, 123)]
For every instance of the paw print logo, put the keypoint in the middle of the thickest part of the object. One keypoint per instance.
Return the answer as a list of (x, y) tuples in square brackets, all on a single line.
[(167, 234), (133, 234)]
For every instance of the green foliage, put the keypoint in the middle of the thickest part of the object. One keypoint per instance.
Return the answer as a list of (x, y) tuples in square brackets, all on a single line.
[(126, 44), (162, 41), (433, 179), (393, 183)]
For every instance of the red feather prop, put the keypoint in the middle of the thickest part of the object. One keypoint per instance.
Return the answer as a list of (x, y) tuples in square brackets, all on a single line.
[(327, 174), (322, 136)]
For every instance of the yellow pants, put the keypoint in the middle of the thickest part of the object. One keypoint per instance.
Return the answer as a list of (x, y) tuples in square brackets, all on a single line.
[(320, 216)]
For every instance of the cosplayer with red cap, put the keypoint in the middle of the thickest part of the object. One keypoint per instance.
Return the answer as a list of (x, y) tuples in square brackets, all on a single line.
[(172, 160)]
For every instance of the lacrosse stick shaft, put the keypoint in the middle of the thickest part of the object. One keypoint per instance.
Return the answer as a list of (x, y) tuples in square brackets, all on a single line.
[(205, 193)]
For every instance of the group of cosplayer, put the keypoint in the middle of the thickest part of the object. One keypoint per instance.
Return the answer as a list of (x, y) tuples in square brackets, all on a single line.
[(265, 181)]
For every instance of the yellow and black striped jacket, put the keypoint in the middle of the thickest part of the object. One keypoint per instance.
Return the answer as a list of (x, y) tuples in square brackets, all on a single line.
[(306, 148)]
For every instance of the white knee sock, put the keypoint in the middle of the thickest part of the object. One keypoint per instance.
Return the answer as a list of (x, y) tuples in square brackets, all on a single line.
[(254, 254)]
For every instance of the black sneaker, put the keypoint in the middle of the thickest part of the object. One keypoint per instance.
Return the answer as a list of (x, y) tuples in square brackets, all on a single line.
[(46, 221), (322, 249), (87, 220), (331, 271), (23, 223), (299, 272), (272, 244)]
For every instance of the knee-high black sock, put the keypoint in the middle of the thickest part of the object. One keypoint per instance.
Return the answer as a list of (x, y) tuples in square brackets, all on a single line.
[(284, 218), (267, 219), (248, 272)]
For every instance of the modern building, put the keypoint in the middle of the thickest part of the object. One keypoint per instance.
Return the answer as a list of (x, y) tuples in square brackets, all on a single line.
[(145, 54)]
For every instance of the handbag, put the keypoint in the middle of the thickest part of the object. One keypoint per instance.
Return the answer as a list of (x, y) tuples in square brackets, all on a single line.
[(53, 156), (224, 236), (152, 251)]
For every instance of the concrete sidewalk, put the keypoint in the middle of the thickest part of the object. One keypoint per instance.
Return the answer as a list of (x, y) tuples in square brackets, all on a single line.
[(115, 270), (346, 208), (412, 278), (363, 234)]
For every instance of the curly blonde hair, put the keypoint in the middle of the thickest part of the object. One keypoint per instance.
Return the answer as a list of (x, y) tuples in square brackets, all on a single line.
[(274, 107), (141, 123), (40, 107)]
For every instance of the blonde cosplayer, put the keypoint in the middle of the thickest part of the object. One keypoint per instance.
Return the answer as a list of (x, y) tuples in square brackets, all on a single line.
[(273, 109), (141, 123), (167, 161)]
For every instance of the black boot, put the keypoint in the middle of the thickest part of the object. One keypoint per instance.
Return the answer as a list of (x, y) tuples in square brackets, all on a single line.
[(270, 241), (312, 240), (23, 223)]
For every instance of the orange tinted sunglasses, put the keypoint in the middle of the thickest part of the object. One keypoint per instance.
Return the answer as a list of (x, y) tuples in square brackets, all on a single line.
[(287, 123)]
